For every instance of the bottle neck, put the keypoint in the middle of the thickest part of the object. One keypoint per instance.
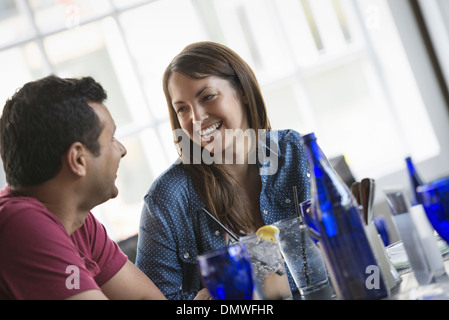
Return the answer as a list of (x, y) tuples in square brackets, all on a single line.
[(313, 151), (412, 171)]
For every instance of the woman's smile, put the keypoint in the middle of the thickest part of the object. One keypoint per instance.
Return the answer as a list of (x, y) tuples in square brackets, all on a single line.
[(209, 131)]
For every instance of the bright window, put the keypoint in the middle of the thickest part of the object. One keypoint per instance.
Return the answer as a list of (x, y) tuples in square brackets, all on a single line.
[(336, 67)]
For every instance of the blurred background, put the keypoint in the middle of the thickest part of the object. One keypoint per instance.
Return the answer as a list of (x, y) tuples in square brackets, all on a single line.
[(365, 75)]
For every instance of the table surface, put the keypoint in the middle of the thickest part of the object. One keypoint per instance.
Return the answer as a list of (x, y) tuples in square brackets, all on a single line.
[(400, 292), (408, 283)]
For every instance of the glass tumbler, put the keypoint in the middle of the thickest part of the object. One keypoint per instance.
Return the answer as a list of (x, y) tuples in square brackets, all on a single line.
[(270, 277), (305, 209), (302, 255), (434, 197), (227, 273)]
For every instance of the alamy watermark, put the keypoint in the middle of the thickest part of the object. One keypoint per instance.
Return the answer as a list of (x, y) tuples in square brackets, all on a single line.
[(73, 280), (237, 147), (373, 280), (72, 16), (372, 17)]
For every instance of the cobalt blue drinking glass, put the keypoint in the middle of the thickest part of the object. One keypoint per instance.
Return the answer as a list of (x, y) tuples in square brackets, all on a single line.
[(227, 273), (434, 197)]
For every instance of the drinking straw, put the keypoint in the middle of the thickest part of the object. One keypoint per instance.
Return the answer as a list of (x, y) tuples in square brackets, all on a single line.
[(221, 225), (295, 197)]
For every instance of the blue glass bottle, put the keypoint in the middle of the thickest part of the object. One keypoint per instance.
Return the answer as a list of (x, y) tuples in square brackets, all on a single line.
[(415, 180), (352, 266)]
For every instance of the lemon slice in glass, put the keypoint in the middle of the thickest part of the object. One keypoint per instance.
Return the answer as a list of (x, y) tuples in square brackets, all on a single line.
[(268, 233)]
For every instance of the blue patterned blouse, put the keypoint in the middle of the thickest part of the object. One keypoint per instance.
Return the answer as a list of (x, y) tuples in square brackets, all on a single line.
[(174, 230)]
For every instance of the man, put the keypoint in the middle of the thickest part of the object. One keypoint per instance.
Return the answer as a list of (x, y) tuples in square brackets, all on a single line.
[(61, 158)]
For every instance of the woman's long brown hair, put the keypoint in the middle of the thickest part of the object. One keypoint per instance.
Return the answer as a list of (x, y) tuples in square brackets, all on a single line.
[(219, 191)]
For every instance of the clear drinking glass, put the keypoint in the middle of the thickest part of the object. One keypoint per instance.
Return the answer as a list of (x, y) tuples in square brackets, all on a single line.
[(270, 277), (302, 255), (227, 273), (305, 209)]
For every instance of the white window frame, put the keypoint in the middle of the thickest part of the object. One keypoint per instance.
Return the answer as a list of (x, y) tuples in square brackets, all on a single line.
[(430, 89)]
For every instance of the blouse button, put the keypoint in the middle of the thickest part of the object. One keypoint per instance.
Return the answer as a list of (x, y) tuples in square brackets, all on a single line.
[(287, 200), (308, 174), (186, 255), (217, 233), (265, 212)]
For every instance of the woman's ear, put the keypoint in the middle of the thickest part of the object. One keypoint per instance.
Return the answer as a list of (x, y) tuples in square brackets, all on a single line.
[(76, 159)]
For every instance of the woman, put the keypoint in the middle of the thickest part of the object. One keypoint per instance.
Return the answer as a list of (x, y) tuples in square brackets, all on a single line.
[(231, 164)]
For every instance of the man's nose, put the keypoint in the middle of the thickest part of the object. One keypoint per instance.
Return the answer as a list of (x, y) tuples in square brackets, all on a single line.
[(122, 149)]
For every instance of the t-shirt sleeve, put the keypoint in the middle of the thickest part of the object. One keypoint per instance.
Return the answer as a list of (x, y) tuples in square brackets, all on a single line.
[(104, 251), (38, 260)]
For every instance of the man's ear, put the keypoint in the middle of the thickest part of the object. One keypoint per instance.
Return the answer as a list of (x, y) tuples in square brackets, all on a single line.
[(76, 159)]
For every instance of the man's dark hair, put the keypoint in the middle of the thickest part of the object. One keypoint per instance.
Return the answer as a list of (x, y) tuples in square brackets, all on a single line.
[(41, 121)]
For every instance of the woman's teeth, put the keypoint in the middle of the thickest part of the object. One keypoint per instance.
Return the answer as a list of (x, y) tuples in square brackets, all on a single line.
[(207, 132)]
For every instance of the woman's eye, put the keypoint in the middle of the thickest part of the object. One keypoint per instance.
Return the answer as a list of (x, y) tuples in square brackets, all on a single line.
[(209, 96), (180, 109)]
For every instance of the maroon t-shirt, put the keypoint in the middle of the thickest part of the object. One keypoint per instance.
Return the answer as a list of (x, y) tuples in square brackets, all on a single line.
[(39, 260)]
